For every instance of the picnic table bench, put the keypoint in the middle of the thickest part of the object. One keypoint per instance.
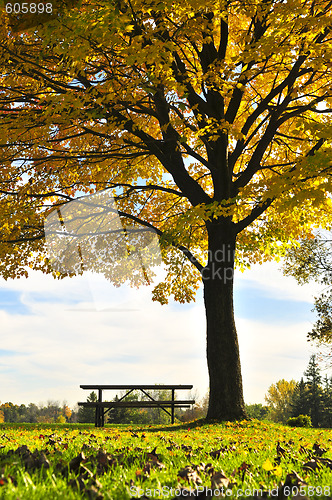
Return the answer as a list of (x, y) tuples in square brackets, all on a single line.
[(102, 407)]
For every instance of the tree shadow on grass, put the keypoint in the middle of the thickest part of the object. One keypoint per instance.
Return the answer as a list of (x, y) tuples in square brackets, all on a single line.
[(171, 427)]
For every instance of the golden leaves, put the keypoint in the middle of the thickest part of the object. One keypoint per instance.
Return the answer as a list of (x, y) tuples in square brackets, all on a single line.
[(80, 115)]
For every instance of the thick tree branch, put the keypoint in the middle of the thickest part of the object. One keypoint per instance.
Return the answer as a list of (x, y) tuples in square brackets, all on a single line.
[(263, 107)]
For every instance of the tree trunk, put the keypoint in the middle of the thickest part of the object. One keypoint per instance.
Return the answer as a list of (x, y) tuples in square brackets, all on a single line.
[(223, 357)]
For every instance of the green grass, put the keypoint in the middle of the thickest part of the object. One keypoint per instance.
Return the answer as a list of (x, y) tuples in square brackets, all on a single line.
[(118, 462)]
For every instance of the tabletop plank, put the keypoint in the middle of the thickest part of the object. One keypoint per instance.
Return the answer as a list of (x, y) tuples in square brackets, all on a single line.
[(120, 387)]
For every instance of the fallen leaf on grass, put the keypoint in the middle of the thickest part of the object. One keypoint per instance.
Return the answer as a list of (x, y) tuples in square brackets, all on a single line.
[(93, 494), (104, 461), (281, 451), (209, 469), (190, 475), (35, 460), (151, 464), (293, 479), (75, 463), (7, 479), (311, 465), (152, 455), (153, 461), (277, 471), (325, 461), (200, 467), (270, 468), (216, 453), (243, 470), (222, 451), (90, 490), (318, 450), (85, 473), (304, 451), (219, 481), (133, 433), (172, 446), (267, 465)]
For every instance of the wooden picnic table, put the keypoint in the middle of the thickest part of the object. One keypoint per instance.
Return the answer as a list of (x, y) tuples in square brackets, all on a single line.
[(102, 407)]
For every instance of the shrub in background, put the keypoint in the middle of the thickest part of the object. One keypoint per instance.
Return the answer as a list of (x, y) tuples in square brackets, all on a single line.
[(300, 421)]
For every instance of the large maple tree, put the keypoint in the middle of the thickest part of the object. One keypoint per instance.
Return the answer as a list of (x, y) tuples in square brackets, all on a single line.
[(208, 122)]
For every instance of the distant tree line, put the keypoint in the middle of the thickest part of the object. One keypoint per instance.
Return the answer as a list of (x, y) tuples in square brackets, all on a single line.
[(311, 396), (257, 410), (52, 412)]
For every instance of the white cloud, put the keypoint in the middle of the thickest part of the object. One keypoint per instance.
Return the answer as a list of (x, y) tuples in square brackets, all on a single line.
[(270, 353), (60, 346), (269, 277), (66, 342)]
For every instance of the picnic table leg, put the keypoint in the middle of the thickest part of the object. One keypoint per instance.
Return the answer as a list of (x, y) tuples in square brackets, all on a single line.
[(100, 409), (173, 397), (96, 416)]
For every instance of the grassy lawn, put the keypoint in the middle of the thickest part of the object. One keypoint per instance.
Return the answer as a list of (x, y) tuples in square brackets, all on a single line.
[(236, 460)]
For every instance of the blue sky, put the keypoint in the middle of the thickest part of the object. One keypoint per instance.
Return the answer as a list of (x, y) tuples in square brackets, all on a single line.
[(253, 303), (57, 335)]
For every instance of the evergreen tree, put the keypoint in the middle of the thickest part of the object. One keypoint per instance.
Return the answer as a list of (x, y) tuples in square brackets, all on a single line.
[(300, 404), (118, 415), (314, 394), (87, 415), (327, 403)]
